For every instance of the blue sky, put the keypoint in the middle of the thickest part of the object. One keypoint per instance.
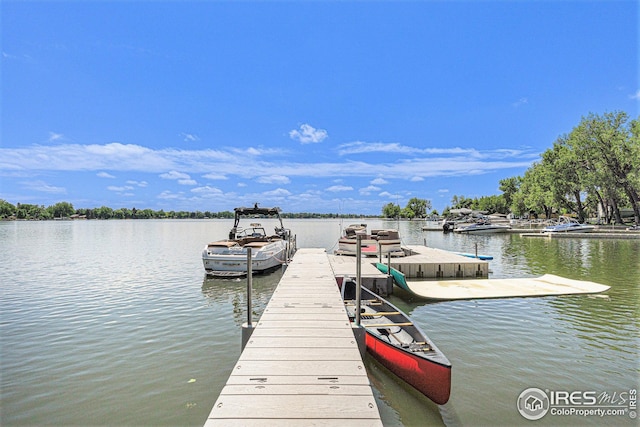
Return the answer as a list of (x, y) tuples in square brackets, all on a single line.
[(310, 106)]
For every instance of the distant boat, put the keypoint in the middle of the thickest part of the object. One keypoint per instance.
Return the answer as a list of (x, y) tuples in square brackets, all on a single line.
[(400, 345), (228, 257), (483, 227), (386, 241), (568, 225)]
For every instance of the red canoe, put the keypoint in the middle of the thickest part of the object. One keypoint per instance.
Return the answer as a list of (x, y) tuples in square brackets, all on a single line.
[(400, 345)]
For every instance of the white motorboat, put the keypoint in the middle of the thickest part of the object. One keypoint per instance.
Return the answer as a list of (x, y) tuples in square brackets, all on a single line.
[(483, 227), (568, 225), (229, 257), (385, 241)]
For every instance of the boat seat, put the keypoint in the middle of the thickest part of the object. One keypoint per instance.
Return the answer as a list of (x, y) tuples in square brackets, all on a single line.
[(223, 243), (386, 325), (257, 244)]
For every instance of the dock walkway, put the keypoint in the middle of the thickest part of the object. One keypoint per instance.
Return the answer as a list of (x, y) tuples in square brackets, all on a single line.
[(301, 365)]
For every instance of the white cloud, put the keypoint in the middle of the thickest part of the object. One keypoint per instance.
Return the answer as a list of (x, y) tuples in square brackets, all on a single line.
[(635, 95), (119, 189), (308, 134), (138, 183), (253, 151), (187, 182), (274, 179), (388, 195), (104, 175), (189, 137), (520, 102), (215, 176), (55, 136), (360, 147), (278, 192), (336, 188), (175, 175), (207, 190), (379, 181), (368, 190), (135, 158), (43, 187), (416, 179), (93, 157), (168, 195)]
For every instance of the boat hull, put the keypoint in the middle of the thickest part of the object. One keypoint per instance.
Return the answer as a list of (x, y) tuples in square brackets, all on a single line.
[(231, 259), (572, 230), (428, 377)]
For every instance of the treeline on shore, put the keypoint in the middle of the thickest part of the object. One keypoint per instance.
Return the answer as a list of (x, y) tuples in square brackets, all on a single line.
[(65, 210), (591, 172)]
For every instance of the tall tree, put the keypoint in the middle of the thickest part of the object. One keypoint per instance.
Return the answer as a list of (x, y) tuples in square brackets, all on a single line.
[(609, 143), (61, 210), (509, 187), (535, 191), (563, 177), (391, 210), (418, 207)]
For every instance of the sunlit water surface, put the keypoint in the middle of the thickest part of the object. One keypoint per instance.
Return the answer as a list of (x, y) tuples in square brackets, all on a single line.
[(113, 322)]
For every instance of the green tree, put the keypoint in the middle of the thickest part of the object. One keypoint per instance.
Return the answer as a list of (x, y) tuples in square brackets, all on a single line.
[(611, 144), (104, 212), (564, 177), (491, 204), (459, 202), (509, 187), (391, 210), (6, 209), (418, 207), (61, 210), (535, 193)]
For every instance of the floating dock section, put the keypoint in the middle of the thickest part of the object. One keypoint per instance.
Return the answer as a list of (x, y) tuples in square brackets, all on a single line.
[(454, 289), (545, 285), (301, 366)]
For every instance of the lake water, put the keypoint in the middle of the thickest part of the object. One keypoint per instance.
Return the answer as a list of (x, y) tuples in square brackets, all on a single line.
[(112, 322)]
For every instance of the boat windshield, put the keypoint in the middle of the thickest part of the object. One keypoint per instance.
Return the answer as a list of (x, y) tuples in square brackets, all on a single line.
[(254, 231)]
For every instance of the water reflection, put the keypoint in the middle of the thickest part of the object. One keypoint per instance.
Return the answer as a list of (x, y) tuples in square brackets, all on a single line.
[(234, 292)]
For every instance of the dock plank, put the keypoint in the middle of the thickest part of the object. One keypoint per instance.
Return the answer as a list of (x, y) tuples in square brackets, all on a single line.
[(297, 332), (299, 379), (295, 389), (300, 353), (299, 406), (298, 367), (301, 341)]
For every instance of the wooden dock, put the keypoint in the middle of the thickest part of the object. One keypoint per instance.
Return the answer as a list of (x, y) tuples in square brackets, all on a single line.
[(301, 365)]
